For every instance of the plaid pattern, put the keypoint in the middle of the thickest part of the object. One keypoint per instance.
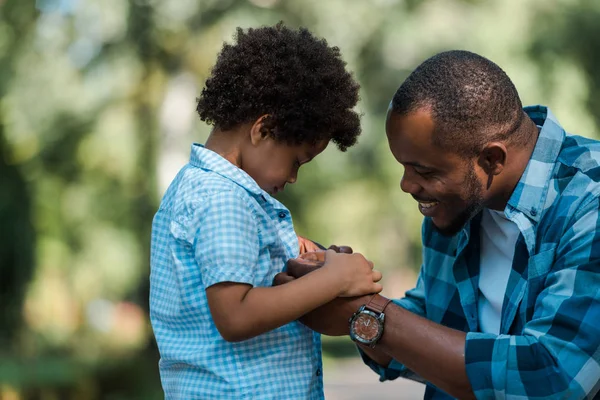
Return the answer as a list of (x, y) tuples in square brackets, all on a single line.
[(549, 341), (215, 225)]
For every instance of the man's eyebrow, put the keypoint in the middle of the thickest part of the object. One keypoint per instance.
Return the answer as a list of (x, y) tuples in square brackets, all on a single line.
[(416, 164)]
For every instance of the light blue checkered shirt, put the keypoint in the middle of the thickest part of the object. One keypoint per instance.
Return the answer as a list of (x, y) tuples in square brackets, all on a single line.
[(215, 225)]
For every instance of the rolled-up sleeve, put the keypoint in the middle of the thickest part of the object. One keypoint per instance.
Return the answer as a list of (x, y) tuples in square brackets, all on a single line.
[(222, 232), (558, 354), (227, 241)]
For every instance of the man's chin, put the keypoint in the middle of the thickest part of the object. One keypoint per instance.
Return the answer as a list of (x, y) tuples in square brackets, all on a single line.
[(456, 225), (450, 228)]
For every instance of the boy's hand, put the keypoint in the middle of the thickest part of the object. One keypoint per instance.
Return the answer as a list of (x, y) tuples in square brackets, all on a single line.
[(353, 272), (307, 245)]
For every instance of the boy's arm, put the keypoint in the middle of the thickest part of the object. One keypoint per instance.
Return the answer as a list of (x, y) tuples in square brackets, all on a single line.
[(241, 311), (225, 236)]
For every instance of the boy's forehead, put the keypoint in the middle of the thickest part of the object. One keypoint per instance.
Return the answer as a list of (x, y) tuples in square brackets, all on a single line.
[(315, 148)]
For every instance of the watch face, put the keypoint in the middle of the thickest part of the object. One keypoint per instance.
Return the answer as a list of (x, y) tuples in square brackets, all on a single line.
[(366, 326)]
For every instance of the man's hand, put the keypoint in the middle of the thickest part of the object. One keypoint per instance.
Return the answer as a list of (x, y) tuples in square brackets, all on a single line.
[(341, 249), (331, 318), (307, 262), (297, 267)]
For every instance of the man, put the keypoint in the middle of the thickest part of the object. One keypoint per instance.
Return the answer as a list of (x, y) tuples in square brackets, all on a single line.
[(507, 304)]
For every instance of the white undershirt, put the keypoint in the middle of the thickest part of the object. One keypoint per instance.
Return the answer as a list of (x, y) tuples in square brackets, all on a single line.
[(498, 238)]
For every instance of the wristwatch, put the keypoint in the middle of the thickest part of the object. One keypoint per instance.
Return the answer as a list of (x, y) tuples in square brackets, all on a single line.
[(366, 325)]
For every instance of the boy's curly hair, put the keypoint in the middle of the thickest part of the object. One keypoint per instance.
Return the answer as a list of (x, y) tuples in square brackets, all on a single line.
[(295, 78)]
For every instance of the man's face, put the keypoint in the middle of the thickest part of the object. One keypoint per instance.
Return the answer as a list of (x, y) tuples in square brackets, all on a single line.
[(273, 164), (448, 187)]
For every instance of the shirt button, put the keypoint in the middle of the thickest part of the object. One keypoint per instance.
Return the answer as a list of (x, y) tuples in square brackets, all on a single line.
[(282, 215), (533, 212), (318, 372)]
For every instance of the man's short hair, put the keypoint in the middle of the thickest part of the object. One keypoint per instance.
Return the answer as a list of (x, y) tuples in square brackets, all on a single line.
[(472, 101)]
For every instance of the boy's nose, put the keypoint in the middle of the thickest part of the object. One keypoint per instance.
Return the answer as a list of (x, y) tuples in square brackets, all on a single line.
[(292, 178)]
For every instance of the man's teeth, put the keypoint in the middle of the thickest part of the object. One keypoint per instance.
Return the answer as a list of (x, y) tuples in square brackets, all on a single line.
[(428, 204)]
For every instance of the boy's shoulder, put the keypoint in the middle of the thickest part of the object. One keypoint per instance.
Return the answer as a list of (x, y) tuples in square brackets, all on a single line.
[(196, 194), (198, 185)]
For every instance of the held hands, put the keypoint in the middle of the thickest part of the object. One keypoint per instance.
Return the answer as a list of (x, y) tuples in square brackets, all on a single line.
[(332, 318), (353, 273)]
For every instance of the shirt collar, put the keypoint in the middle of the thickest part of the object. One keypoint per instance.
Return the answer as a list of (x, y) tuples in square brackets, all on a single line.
[(206, 159), (530, 193)]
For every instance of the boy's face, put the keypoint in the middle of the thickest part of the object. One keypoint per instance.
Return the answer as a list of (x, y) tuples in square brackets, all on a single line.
[(272, 164)]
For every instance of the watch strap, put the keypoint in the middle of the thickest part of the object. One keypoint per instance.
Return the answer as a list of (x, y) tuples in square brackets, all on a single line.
[(377, 303)]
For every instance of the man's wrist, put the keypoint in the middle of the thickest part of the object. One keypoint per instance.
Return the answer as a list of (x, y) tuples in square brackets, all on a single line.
[(366, 326)]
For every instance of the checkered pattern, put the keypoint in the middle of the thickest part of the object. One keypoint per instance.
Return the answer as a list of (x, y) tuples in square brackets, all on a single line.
[(549, 341), (215, 225)]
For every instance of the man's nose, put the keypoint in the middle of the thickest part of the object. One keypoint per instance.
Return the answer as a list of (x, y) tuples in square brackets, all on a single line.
[(409, 185)]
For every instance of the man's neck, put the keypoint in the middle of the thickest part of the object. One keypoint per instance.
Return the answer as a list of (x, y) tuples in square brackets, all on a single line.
[(517, 161)]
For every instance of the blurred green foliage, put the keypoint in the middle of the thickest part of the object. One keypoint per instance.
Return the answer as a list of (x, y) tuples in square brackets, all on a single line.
[(97, 115)]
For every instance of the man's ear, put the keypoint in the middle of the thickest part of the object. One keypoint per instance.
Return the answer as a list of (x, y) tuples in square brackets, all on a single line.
[(492, 158), (259, 130)]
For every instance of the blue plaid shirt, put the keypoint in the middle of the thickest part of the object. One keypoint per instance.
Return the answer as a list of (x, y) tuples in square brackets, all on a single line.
[(549, 341), (214, 225)]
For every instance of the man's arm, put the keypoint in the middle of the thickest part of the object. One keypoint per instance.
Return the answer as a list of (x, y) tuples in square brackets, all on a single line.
[(332, 318), (433, 351), (384, 365)]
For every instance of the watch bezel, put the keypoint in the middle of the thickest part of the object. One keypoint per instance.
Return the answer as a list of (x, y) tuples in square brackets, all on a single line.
[(379, 317)]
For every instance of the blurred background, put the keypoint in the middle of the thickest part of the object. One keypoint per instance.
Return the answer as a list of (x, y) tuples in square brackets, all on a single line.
[(97, 114)]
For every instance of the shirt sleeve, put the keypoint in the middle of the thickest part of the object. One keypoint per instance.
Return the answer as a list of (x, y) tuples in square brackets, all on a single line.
[(558, 353), (414, 301), (223, 233)]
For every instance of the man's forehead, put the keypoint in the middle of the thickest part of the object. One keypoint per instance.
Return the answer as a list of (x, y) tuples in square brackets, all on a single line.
[(416, 125), (411, 141)]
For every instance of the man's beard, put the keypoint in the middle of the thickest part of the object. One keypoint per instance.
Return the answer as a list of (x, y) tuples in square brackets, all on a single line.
[(474, 193)]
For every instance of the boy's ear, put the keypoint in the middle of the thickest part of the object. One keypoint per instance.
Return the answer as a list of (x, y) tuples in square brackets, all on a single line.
[(259, 131)]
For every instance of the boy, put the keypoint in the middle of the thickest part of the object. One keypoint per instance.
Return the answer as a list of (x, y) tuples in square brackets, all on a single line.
[(276, 98)]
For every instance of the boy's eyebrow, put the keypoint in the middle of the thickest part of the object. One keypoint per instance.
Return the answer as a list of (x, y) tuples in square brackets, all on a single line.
[(309, 157)]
